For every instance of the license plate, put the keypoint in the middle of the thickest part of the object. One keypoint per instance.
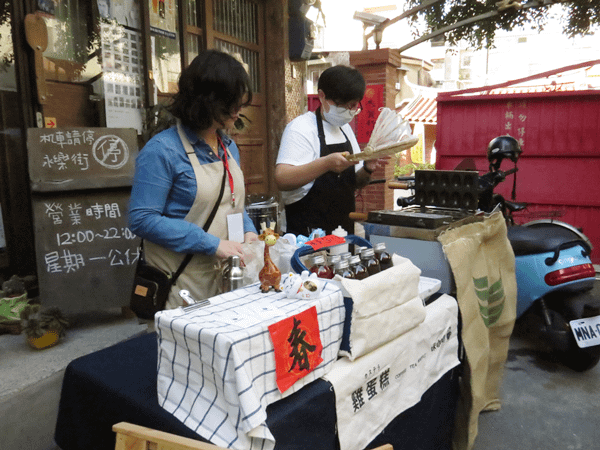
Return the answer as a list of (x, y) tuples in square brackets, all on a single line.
[(586, 331)]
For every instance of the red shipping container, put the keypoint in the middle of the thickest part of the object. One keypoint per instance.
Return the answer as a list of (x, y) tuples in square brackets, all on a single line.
[(559, 132)]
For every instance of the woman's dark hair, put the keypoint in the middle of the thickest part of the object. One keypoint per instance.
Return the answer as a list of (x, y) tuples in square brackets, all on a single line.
[(342, 84), (212, 86)]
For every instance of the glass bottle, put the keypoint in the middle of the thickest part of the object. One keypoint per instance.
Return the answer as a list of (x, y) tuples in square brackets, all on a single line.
[(385, 259), (342, 269), (368, 259), (320, 268), (332, 260), (360, 271), (346, 255), (358, 249), (309, 261)]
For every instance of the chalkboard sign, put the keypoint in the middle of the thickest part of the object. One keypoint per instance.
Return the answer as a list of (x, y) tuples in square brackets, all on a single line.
[(81, 182), (80, 158)]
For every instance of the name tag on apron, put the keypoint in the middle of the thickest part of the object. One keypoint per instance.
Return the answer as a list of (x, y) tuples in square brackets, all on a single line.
[(235, 227)]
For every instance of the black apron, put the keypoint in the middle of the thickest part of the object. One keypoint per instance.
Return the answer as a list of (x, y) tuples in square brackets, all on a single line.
[(331, 198)]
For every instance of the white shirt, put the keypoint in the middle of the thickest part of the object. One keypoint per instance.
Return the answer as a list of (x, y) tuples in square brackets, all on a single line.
[(300, 145)]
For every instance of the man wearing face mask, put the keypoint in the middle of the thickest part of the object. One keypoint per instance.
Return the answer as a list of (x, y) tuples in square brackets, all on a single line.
[(316, 179)]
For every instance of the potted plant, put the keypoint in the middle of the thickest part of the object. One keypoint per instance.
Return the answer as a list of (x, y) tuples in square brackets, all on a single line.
[(13, 300), (46, 330)]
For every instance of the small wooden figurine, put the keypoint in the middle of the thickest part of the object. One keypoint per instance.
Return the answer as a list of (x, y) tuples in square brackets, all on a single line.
[(269, 274)]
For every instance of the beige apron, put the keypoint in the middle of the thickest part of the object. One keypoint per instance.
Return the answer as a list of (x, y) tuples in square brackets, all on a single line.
[(202, 275)]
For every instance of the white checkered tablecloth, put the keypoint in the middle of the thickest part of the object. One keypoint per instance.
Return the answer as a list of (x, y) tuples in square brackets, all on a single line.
[(216, 365)]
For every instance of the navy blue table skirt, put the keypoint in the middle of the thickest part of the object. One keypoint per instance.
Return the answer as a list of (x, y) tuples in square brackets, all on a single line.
[(118, 384)]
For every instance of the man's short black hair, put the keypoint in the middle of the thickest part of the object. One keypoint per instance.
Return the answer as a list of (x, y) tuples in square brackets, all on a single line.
[(342, 84), (212, 86)]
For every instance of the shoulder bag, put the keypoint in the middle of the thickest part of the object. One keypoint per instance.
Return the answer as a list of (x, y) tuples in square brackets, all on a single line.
[(151, 285)]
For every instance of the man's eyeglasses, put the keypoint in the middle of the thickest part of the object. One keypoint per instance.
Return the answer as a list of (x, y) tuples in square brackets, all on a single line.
[(355, 107)]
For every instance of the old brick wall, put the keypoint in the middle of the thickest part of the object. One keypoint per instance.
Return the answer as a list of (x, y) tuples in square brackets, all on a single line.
[(378, 67), (295, 89)]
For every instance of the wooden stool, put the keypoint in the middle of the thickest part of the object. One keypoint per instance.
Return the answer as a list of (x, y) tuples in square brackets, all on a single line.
[(134, 437)]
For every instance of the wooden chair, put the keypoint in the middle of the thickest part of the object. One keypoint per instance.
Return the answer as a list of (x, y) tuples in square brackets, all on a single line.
[(134, 437)]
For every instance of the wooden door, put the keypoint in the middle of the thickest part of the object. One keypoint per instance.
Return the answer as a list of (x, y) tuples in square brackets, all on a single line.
[(237, 27)]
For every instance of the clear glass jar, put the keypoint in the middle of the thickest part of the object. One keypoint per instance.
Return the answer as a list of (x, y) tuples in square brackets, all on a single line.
[(368, 259), (360, 271), (385, 259)]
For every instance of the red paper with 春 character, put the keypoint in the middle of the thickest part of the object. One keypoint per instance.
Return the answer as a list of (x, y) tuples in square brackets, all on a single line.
[(297, 346)]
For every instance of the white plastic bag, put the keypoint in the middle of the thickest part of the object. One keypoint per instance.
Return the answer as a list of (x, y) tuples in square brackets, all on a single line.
[(281, 254)]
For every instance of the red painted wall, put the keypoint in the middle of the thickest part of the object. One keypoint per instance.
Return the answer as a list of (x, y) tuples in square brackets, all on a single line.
[(559, 132)]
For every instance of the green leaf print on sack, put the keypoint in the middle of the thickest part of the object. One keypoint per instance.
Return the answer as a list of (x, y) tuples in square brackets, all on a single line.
[(491, 299)]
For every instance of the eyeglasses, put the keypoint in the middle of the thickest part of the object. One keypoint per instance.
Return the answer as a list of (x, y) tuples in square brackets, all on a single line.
[(354, 106)]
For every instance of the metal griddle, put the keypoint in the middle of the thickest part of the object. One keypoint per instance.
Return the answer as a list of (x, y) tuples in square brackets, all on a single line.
[(442, 198)]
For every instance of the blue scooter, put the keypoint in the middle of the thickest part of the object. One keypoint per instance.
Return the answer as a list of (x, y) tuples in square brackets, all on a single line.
[(554, 271)]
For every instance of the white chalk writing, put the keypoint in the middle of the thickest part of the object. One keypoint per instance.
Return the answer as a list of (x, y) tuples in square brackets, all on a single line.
[(99, 211), (68, 138), (89, 236), (55, 212), (66, 262)]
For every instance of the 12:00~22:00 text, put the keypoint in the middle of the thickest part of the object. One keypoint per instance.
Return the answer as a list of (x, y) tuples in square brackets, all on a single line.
[(88, 236)]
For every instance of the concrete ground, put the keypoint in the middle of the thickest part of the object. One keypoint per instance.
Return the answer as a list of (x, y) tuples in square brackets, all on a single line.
[(31, 380), (545, 405)]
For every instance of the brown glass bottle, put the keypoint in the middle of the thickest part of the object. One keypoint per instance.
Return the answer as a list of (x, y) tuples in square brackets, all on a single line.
[(358, 249), (332, 260), (320, 268), (309, 261), (368, 259), (343, 269), (360, 271), (346, 255), (385, 259)]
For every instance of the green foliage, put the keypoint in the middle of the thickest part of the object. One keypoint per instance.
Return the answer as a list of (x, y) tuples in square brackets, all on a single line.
[(7, 56), (580, 17), (407, 169)]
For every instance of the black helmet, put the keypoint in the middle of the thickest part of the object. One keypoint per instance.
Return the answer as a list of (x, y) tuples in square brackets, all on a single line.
[(503, 147)]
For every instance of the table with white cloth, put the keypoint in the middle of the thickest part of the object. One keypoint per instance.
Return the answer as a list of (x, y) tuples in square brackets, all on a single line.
[(374, 389), (216, 365)]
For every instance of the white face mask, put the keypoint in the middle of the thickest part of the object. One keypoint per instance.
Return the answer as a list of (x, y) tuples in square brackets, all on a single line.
[(338, 116)]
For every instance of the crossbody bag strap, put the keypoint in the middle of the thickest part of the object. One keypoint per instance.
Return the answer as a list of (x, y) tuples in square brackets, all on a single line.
[(206, 226), (194, 159)]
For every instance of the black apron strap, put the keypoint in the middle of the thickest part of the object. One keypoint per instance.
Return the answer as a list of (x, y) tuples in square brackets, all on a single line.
[(330, 200)]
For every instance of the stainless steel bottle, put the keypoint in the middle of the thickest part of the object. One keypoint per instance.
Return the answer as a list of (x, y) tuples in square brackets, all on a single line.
[(233, 275)]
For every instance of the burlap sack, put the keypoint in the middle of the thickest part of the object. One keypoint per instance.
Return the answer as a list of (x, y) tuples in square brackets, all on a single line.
[(483, 265)]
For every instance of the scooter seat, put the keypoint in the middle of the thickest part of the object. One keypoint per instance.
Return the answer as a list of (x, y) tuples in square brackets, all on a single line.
[(515, 206), (540, 239)]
